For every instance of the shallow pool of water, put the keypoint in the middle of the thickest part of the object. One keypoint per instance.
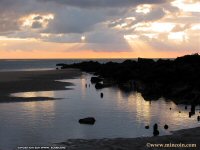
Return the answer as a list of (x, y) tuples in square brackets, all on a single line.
[(118, 114)]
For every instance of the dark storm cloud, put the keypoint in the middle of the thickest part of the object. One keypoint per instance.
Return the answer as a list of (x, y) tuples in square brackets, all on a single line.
[(75, 20), (104, 3)]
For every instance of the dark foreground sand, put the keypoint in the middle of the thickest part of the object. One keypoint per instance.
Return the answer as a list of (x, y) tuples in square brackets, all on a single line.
[(186, 137), (27, 81)]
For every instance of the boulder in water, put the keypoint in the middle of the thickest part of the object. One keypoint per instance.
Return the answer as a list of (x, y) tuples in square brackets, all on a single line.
[(101, 95), (166, 126), (155, 130), (88, 120)]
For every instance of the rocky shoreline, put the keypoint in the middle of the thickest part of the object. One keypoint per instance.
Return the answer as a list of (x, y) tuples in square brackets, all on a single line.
[(176, 79)]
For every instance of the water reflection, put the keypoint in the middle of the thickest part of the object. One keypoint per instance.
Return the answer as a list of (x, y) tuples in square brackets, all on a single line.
[(118, 114), (34, 94)]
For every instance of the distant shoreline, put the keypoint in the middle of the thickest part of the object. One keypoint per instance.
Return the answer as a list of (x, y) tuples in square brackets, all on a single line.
[(28, 81)]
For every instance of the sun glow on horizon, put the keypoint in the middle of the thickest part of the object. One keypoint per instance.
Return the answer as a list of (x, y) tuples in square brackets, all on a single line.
[(167, 29), (83, 38)]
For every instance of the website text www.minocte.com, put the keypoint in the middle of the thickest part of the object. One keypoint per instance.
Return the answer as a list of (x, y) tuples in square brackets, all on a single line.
[(171, 145)]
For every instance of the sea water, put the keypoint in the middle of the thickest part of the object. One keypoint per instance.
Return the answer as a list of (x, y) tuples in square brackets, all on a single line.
[(119, 114), (42, 64)]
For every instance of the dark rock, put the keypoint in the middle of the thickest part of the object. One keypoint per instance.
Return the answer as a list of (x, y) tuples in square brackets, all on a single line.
[(190, 114), (98, 85), (166, 126), (156, 132), (192, 111), (179, 111), (170, 108), (60, 64), (155, 127), (176, 79), (101, 95), (147, 127), (96, 79), (198, 118), (86, 85), (88, 120), (185, 107)]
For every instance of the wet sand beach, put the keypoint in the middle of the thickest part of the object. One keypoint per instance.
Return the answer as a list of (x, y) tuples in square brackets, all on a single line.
[(187, 137), (26, 81)]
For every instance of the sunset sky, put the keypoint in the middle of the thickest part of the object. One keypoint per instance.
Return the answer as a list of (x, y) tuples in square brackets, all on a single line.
[(99, 28)]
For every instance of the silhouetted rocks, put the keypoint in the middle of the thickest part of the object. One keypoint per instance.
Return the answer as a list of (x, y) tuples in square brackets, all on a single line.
[(198, 118), (61, 64), (192, 110), (166, 126), (147, 127), (155, 130), (176, 79), (185, 107), (190, 114), (96, 79), (99, 86), (89, 120)]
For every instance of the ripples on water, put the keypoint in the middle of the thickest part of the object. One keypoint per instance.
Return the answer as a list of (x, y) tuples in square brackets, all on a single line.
[(118, 114)]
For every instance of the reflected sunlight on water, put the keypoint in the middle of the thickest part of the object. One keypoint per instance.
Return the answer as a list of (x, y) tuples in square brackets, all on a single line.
[(118, 114), (34, 94)]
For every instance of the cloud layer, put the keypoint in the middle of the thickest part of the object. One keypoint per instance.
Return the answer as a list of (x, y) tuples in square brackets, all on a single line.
[(107, 25)]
